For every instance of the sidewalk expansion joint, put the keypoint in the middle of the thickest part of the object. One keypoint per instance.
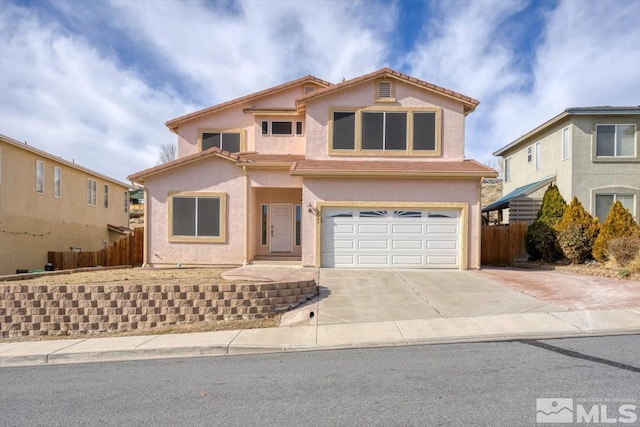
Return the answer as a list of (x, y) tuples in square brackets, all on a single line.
[(228, 348)]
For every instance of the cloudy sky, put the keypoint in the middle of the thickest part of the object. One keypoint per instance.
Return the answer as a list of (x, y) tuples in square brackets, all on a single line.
[(95, 81)]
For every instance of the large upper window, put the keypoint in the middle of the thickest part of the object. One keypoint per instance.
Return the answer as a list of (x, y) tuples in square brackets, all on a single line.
[(604, 202), (537, 156), (39, 177), (615, 140), (565, 143), (507, 169), (197, 217), (228, 141), (374, 130)]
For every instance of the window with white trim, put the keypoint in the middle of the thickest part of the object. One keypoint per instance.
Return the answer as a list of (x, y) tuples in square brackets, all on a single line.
[(507, 169), (57, 182), (91, 192), (39, 177), (565, 143), (281, 128), (616, 140), (227, 141), (106, 196), (197, 216), (529, 153), (604, 202), (537, 156)]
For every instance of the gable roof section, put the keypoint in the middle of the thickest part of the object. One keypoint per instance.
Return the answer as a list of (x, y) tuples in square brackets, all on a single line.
[(525, 190), (463, 168), (74, 165), (469, 103), (174, 123), (572, 111)]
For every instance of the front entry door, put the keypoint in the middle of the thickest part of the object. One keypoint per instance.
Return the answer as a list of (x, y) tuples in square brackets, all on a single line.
[(281, 227)]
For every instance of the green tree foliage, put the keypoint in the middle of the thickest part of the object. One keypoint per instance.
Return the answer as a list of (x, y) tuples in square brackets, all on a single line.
[(618, 223), (576, 232), (541, 237)]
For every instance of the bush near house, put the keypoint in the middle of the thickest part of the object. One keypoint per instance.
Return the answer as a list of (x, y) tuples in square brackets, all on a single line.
[(625, 251), (577, 231), (541, 239), (618, 223)]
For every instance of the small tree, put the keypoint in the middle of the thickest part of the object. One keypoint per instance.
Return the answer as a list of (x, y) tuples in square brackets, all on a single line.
[(167, 153), (576, 232), (541, 236), (618, 223)]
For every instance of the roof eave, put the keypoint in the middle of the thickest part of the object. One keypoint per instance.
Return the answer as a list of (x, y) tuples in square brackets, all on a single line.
[(398, 174)]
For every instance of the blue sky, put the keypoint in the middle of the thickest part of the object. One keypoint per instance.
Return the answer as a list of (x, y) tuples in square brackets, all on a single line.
[(95, 81)]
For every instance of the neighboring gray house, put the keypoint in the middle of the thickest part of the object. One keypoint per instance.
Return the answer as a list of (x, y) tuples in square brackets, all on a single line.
[(589, 152)]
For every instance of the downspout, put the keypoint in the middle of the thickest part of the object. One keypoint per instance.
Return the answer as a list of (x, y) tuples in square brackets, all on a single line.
[(478, 220), (246, 216), (145, 223)]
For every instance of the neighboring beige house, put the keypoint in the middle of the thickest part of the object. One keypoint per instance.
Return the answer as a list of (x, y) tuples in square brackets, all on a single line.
[(366, 173), (50, 204), (589, 152)]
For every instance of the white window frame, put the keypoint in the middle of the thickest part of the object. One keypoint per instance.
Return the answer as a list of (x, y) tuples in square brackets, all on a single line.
[(39, 177), (566, 137), (537, 156), (507, 169), (57, 182), (615, 199), (92, 190), (529, 154), (106, 196), (615, 137)]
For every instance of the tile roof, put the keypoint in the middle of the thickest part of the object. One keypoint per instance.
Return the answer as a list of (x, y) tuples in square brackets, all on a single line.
[(391, 167), (173, 123), (388, 72), (277, 158)]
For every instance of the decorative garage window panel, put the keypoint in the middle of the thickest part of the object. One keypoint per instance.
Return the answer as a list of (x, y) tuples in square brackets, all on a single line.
[(407, 214), (197, 216), (373, 214)]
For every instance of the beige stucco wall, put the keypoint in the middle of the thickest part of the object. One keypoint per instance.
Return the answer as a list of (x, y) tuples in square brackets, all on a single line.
[(211, 174), (389, 190), (363, 95), (57, 223)]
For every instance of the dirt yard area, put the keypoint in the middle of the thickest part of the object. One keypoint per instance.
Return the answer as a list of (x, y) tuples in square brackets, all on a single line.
[(134, 276)]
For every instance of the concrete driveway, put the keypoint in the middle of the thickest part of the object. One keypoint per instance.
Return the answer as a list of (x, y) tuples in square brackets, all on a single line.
[(353, 296)]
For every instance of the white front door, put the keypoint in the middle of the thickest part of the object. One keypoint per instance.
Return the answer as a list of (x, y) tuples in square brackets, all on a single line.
[(281, 227)]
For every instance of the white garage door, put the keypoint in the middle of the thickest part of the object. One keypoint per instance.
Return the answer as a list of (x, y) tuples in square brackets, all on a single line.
[(421, 238)]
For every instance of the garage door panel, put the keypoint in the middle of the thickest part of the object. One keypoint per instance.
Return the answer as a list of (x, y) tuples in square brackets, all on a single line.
[(408, 260), (442, 229), (443, 261), (408, 244), (339, 228), (373, 260), (373, 228), (344, 244), (407, 229), (442, 244), (373, 244)]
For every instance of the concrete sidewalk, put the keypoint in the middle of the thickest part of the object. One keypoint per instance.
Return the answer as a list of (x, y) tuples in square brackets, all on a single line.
[(325, 336)]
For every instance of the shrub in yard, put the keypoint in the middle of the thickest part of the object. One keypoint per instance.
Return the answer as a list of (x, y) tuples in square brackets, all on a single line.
[(541, 239), (576, 232), (624, 250), (618, 223)]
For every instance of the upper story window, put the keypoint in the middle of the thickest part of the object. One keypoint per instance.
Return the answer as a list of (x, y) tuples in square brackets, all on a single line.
[(281, 128), (106, 196), (278, 128), (507, 169), (126, 201), (537, 156), (372, 131), (91, 192), (385, 91), (231, 141), (57, 182), (39, 177), (616, 140), (565, 143), (530, 154)]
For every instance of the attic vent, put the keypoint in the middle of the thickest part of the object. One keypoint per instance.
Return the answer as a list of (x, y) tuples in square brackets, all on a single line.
[(309, 89), (384, 89)]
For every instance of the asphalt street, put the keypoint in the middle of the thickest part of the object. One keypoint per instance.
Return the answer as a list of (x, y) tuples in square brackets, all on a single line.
[(479, 384)]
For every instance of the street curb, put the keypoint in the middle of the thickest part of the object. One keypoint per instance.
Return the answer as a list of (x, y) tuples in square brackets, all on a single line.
[(228, 350)]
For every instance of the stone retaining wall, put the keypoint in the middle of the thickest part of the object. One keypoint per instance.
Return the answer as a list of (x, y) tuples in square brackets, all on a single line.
[(77, 309)]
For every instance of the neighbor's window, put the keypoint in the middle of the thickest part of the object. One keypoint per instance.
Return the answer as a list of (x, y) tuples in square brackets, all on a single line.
[(604, 202), (537, 148), (281, 128), (384, 131), (39, 177), (344, 129), (507, 169), (565, 143), (529, 153), (57, 182), (615, 140), (298, 224), (264, 227), (106, 196), (91, 192), (197, 216), (126, 201), (228, 141)]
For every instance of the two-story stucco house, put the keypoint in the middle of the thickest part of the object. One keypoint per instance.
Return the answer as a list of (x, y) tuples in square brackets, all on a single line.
[(589, 152), (366, 173), (50, 204)]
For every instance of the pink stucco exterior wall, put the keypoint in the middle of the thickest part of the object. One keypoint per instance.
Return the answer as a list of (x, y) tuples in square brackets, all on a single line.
[(207, 175), (364, 95), (389, 190)]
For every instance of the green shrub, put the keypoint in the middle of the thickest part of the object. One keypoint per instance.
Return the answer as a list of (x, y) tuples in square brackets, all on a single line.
[(553, 206), (576, 232), (541, 237), (623, 250), (618, 223)]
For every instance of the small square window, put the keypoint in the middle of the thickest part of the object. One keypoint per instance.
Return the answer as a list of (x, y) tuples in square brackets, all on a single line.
[(529, 154)]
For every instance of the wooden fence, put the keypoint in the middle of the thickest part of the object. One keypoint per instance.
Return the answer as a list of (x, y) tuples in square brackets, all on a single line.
[(126, 251), (502, 244)]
